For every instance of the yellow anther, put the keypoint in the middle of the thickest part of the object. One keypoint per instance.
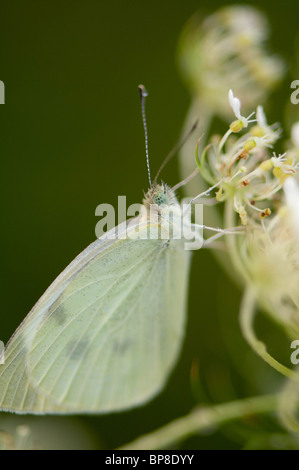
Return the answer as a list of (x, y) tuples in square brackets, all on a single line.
[(245, 183), (249, 145), (236, 126), (266, 165), (266, 213), (257, 131)]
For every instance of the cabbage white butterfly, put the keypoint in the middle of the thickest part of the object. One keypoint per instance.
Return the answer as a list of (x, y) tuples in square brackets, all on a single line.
[(107, 332)]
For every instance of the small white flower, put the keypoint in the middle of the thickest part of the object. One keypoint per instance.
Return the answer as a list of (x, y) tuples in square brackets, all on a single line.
[(236, 107), (261, 117), (255, 143), (264, 141), (291, 190), (282, 162), (273, 132), (279, 161), (235, 104)]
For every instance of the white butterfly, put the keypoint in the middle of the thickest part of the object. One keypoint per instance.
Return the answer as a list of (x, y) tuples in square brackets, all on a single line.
[(106, 334)]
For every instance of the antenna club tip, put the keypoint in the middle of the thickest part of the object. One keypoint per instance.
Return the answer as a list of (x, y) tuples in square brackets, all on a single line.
[(142, 90)]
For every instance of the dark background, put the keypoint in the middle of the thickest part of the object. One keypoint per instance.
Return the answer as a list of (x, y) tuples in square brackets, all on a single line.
[(71, 138)]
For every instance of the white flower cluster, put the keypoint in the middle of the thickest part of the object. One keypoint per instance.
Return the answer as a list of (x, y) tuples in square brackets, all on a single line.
[(262, 188), (229, 47), (247, 170)]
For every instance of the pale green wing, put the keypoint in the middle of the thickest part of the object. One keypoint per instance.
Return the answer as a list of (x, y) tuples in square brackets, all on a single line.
[(16, 390), (105, 335)]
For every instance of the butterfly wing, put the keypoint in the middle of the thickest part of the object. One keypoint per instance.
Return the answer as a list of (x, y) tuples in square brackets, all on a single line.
[(105, 335)]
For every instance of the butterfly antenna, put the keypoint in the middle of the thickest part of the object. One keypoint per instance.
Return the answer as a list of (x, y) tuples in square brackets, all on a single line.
[(143, 94), (176, 148)]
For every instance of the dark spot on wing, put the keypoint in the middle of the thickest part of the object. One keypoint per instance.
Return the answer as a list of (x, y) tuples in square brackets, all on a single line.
[(121, 347), (57, 312), (76, 349)]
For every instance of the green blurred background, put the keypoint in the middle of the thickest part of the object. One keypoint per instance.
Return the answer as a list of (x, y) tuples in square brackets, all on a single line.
[(72, 138)]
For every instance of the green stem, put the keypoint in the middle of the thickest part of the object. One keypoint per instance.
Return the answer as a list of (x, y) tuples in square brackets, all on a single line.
[(247, 314), (230, 221), (201, 420), (222, 142)]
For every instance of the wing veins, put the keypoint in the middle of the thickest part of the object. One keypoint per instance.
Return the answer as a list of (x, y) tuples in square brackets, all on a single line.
[(73, 319)]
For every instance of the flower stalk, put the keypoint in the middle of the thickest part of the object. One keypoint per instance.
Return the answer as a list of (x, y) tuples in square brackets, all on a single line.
[(202, 420)]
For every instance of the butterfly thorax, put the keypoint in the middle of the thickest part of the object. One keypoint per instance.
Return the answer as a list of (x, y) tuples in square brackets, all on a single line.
[(161, 206), (159, 195)]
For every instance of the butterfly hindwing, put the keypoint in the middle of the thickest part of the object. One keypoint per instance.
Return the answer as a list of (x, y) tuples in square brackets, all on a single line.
[(105, 335)]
